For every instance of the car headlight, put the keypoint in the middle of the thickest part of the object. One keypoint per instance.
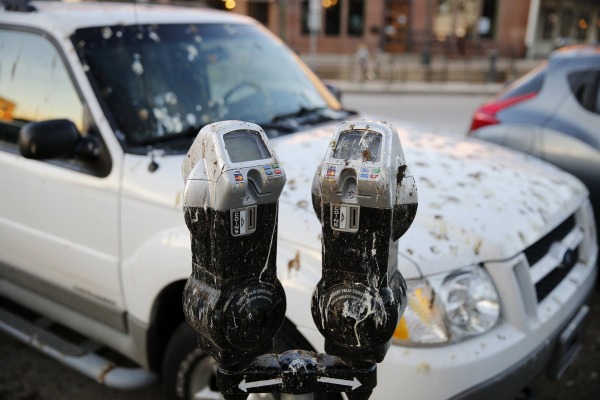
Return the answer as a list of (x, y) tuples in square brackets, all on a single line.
[(448, 307)]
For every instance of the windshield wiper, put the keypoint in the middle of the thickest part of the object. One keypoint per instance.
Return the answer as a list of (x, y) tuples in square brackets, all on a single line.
[(283, 124), (189, 132), (281, 127), (293, 122), (312, 116), (302, 112)]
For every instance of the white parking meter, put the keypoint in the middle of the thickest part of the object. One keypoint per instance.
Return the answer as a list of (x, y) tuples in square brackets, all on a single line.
[(366, 198), (233, 298)]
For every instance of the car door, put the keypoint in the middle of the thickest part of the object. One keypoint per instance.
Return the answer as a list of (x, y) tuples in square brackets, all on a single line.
[(58, 218), (571, 138), (576, 113)]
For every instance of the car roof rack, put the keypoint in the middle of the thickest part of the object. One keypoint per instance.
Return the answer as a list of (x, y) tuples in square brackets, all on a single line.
[(18, 5)]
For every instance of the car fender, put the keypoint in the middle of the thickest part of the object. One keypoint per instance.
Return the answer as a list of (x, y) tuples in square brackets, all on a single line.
[(566, 151), (570, 153), (161, 260), (523, 137), (577, 158)]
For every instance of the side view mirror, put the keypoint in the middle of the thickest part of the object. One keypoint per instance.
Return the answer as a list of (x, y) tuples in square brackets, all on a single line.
[(58, 138)]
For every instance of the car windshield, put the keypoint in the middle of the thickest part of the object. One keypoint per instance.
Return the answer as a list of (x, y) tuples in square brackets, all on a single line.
[(162, 82)]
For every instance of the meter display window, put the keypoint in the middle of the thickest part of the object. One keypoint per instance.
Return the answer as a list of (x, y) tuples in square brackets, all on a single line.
[(244, 145), (353, 145)]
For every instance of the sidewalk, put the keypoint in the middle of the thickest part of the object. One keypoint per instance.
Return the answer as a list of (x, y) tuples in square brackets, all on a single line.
[(406, 73), (416, 87)]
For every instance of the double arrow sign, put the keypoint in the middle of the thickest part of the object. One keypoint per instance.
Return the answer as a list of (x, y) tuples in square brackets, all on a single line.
[(244, 386)]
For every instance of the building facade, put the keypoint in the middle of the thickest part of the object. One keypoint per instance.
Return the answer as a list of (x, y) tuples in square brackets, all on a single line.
[(514, 28), (557, 22)]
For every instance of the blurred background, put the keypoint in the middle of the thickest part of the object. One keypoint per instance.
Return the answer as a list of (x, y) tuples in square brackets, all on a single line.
[(424, 40)]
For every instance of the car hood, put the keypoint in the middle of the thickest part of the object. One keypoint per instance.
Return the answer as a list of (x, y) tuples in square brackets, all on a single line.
[(477, 202)]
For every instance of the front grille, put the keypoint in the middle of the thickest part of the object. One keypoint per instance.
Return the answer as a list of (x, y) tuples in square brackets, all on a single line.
[(550, 281), (539, 249)]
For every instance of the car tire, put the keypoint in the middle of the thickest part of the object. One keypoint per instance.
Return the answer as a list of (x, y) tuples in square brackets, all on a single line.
[(189, 373)]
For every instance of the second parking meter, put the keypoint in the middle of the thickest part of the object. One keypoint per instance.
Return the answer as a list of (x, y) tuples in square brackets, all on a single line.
[(233, 298), (366, 198)]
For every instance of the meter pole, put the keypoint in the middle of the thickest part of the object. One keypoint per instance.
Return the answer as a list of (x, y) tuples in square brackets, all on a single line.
[(308, 396)]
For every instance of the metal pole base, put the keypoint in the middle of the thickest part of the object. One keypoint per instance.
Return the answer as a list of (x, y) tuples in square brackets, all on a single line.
[(359, 395), (235, 396), (306, 396), (297, 375)]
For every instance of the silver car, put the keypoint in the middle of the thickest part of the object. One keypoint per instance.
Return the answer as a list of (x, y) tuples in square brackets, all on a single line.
[(553, 112)]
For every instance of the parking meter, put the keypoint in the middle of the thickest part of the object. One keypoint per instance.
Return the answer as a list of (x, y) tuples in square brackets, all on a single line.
[(233, 298), (365, 198)]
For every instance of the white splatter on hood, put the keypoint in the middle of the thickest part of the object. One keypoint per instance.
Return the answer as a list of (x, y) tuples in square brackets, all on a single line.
[(477, 201)]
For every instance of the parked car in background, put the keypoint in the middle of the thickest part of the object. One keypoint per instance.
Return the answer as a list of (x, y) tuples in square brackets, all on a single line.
[(99, 105), (553, 112)]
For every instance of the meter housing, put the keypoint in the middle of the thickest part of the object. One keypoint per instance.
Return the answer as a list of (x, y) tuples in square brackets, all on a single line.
[(233, 298), (365, 198)]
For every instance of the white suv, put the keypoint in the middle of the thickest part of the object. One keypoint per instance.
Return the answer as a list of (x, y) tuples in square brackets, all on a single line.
[(100, 102)]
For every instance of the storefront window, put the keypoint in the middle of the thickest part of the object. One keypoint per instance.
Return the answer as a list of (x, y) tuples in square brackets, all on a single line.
[(562, 23), (459, 18), (331, 22), (582, 26), (549, 20), (566, 23), (486, 22), (305, 29), (332, 17), (356, 17), (259, 11)]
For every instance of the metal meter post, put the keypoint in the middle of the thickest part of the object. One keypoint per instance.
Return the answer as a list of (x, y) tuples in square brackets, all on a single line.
[(233, 298), (365, 198)]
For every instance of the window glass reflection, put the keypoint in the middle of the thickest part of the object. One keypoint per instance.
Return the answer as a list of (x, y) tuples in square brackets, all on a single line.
[(34, 84)]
